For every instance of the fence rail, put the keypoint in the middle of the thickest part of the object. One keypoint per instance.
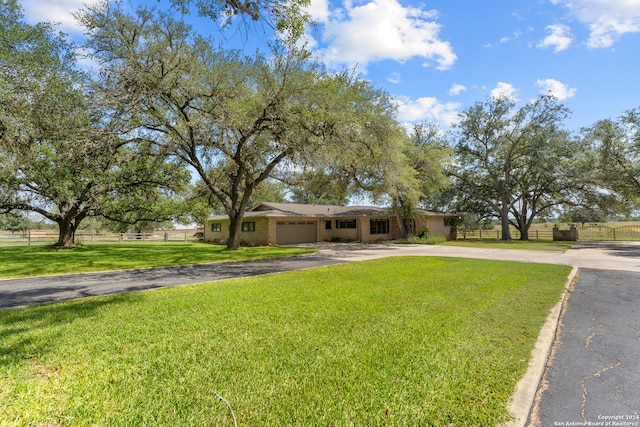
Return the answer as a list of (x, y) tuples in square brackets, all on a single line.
[(37, 237), (497, 234), (590, 232), (600, 232)]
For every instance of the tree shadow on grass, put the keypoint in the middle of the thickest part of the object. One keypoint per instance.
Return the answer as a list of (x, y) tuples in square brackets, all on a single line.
[(32, 332)]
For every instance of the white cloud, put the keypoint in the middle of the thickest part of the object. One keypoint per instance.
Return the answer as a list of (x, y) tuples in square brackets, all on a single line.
[(319, 10), (55, 11), (555, 88), (394, 78), (516, 35), (505, 90), (607, 19), (506, 39), (427, 108), (380, 30), (457, 89), (559, 38)]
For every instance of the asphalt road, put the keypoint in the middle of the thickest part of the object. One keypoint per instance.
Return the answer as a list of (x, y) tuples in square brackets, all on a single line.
[(593, 374), (39, 290)]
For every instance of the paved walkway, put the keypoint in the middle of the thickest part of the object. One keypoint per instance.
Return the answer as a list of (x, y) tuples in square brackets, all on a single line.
[(592, 375)]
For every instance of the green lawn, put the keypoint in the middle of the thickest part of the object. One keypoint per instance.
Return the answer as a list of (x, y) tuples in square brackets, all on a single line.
[(536, 245), (42, 260), (400, 341)]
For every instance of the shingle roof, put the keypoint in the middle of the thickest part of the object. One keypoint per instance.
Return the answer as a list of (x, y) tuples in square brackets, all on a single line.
[(308, 210), (299, 209)]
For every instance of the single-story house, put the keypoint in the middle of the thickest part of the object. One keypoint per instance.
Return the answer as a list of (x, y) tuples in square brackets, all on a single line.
[(289, 223)]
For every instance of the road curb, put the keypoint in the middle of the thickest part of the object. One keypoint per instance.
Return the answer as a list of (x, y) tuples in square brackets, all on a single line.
[(522, 401)]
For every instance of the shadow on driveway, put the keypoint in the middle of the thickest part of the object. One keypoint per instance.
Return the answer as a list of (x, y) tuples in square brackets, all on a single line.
[(40, 290)]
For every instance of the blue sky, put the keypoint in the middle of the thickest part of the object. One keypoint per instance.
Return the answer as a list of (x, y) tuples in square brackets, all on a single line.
[(439, 57)]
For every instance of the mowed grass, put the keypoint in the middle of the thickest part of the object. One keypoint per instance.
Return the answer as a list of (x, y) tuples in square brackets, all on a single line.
[(534, 245), (26, 261), (392, 342)]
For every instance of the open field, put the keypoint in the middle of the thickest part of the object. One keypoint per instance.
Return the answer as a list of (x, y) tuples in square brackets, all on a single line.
[(399, 341), (24, 261)]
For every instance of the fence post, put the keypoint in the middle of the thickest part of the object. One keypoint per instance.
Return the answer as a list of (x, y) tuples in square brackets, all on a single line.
[(29, 238), (614, 234)]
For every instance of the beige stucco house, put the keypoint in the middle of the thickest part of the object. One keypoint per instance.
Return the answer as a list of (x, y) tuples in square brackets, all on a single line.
[(289, 223)]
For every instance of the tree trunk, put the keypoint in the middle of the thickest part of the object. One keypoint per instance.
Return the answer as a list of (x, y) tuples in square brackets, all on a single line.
[(523, 228), (235, 228), (504, 220), (67, 232), (400, 221)]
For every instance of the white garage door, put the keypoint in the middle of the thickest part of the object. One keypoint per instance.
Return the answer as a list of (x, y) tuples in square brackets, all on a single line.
[(290, 232)]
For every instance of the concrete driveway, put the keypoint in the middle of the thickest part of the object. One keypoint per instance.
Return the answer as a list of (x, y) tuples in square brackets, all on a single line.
[(602, 255)]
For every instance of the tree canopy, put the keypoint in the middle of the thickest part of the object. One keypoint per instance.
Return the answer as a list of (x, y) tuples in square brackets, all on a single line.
[(617, 142), (285, 16), (517, 164), (235, 120), (62, 154)]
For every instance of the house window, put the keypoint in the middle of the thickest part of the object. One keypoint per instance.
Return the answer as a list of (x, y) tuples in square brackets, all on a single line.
[(450, 222), (345, 223), (249, 226), (379, 226), (216, 226), (327, 225)]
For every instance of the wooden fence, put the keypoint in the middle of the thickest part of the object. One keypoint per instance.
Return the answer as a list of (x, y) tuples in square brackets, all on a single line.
[(497, 234), (41, 237), (590, 232), (601, 232)]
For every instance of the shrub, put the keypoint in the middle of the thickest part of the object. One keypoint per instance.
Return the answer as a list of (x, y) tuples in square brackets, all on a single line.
[(426, 240)]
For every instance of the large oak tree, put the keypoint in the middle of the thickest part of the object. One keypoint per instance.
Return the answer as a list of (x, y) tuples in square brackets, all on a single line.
[(617, 142), (235, 120), (426, 154), (62, 154), (518, 163)]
